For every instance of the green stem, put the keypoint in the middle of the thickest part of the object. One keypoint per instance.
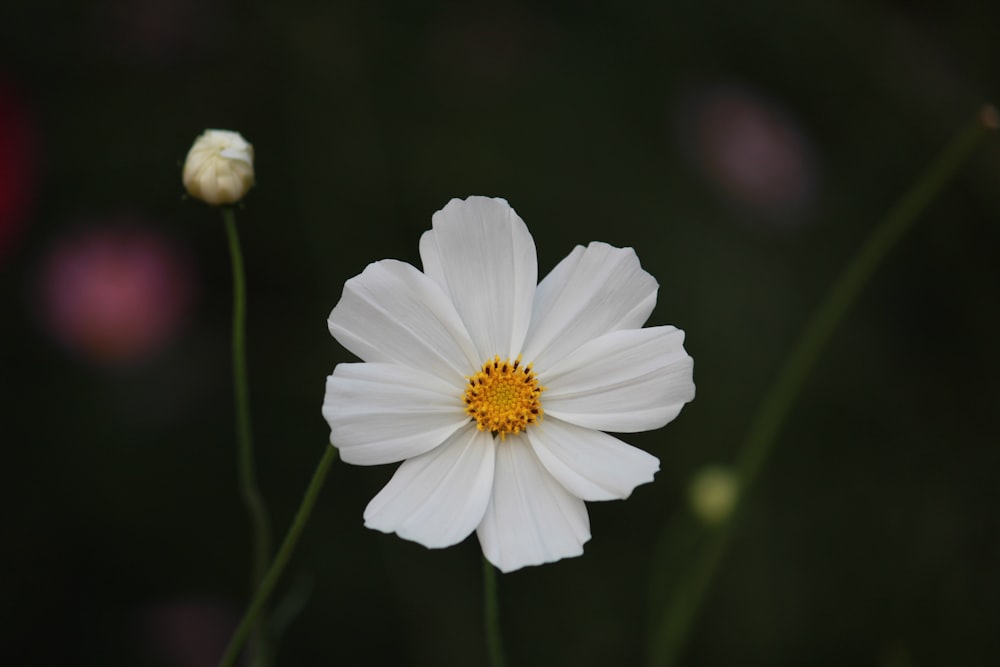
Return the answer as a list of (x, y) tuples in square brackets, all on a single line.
[(491, 615), (273, 574), (246, 468), (844, 293), (671, 630)]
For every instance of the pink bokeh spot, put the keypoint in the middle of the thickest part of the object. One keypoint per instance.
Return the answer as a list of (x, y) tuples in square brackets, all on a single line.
[(115, 294), (751, 149), (188, 632)]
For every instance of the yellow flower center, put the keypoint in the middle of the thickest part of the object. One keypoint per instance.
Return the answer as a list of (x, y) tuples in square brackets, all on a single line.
[(504, 397)]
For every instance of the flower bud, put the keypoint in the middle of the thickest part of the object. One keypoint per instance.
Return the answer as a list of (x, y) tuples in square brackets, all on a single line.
[(714, 492), (219, 167)]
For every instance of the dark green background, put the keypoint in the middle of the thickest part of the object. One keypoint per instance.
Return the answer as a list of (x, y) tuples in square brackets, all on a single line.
[(873, 536)]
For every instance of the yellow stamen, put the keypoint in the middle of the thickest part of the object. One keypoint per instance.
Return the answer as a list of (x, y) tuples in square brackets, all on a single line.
[(504, 397)]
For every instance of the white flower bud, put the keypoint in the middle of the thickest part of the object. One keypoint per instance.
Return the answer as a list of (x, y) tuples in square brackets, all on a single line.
[(713, 493), (219, 167)]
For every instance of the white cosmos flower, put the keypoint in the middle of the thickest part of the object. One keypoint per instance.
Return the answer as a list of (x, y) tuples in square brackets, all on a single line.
[(494, 392)]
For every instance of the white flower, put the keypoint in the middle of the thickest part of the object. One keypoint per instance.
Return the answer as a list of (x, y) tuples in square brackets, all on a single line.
[(494, 391), (219, 167)]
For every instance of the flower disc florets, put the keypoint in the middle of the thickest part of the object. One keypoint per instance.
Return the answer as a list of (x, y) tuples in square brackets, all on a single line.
[(503, 397)]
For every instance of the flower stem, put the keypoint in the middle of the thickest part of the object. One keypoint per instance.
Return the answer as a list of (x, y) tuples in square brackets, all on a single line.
[(246, 468), (491, 615), (672, 627), (273, 573)]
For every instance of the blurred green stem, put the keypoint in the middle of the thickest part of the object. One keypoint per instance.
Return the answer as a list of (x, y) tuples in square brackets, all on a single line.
[(246, 468), (491, 615), (670, 630), (270, 580)]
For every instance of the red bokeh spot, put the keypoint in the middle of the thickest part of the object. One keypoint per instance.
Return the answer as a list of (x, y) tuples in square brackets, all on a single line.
[(18, 164)]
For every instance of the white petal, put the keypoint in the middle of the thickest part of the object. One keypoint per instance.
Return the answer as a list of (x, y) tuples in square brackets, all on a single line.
[(625, 381), (383, 413), (440, 497), (486, 260), (593, 291), (393, 313), (590, 464), (431, 260), (531, 518)]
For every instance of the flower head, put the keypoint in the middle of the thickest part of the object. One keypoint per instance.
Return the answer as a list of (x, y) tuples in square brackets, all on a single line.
[(495, 391), (219, 167)]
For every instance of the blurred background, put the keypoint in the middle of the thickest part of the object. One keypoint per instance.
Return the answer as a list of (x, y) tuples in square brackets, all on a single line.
[(744, 149)]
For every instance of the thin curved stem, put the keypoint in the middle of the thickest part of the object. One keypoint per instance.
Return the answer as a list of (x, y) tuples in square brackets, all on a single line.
[(671, 629), (844, 292), (246, 467), (274, 572), (491, 615)]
